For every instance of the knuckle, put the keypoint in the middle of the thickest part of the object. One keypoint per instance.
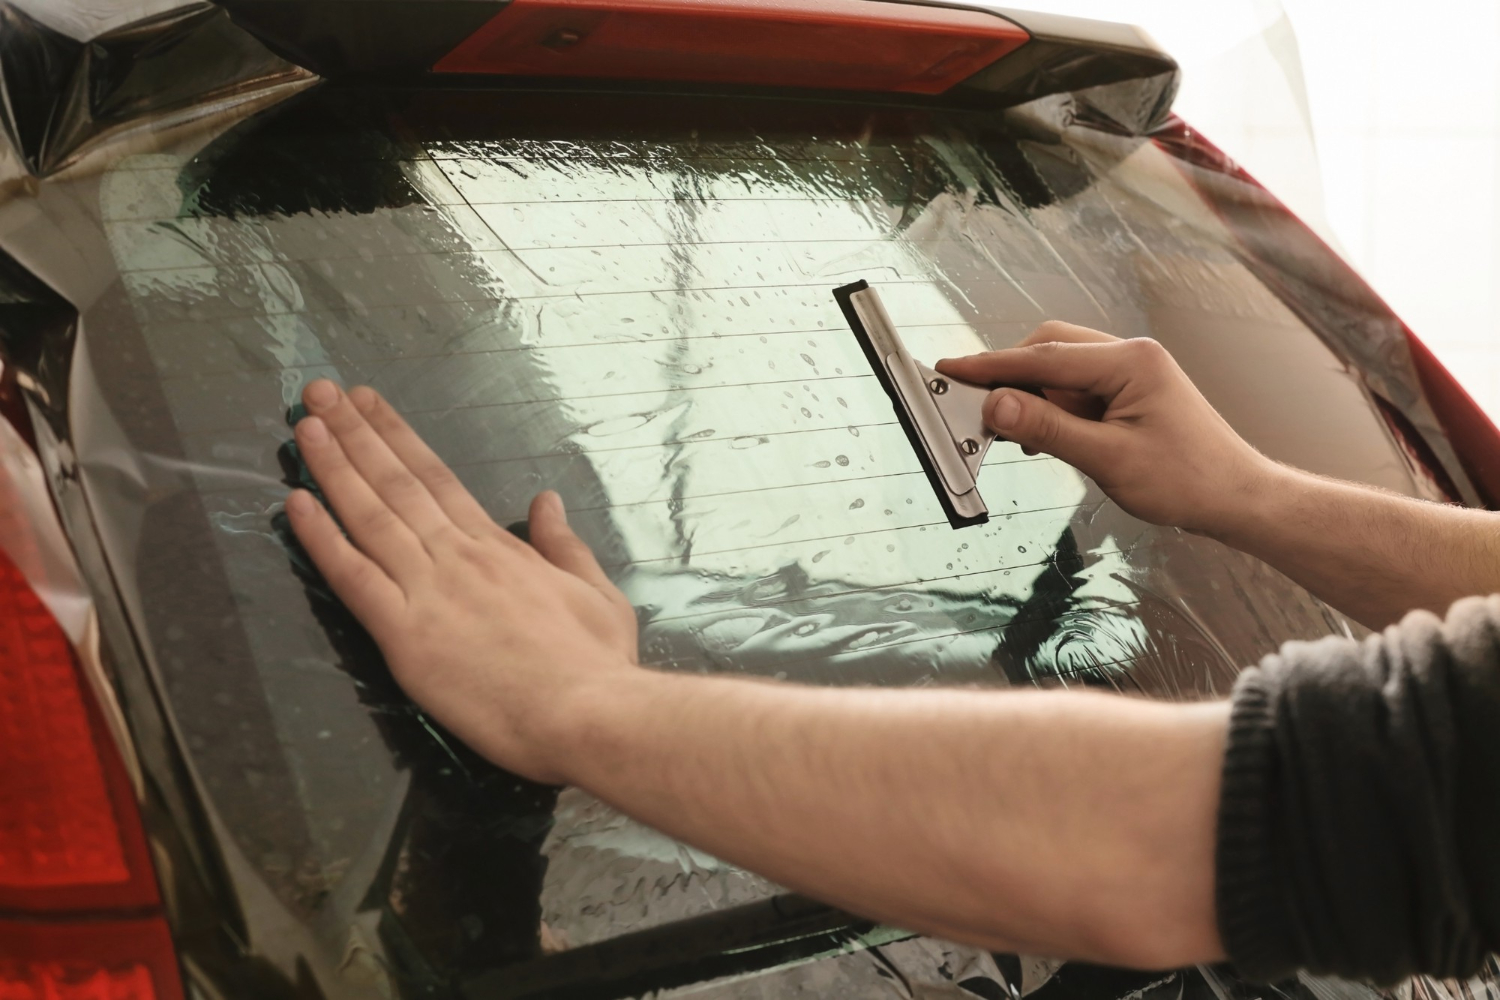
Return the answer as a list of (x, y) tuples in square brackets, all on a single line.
[(395, 482), (490, 562), (1146, 350), (471, 552), (1047, 349), (439, 475), (377, 519), (502, 536), (355, 574), (1046, 430)]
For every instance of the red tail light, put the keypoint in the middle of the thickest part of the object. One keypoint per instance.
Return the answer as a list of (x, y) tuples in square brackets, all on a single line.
[(60, 829), (69, 834), (72, 852), (835, 44), (104, 960)]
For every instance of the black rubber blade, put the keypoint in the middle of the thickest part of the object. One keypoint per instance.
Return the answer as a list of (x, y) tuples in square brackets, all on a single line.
[(877, 365)]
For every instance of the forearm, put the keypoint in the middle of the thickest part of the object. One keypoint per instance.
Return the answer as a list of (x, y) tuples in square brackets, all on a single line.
[(1065, 824), (1372, 555)]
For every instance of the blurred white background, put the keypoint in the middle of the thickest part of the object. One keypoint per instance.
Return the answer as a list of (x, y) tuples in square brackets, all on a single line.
[(1378, 123)]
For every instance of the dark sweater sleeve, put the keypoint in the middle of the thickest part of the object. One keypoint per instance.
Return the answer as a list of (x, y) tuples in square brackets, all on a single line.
[(1359, 822)]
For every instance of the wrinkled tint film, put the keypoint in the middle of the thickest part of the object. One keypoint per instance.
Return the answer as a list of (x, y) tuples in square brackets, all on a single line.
[(629, 300)]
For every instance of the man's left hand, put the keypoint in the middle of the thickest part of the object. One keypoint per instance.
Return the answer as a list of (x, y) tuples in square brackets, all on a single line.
[(491, 635)]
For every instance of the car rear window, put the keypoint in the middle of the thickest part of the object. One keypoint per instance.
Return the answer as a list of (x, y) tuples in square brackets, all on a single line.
[(628, 298)]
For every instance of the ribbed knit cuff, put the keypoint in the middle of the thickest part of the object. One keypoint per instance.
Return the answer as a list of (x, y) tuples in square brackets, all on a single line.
[(1253, 922)]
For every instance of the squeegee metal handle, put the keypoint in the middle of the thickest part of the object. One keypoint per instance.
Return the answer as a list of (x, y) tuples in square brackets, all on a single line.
[(913, 389), (930, 423)]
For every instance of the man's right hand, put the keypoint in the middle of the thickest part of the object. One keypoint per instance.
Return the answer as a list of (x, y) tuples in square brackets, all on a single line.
[(1124, 414)]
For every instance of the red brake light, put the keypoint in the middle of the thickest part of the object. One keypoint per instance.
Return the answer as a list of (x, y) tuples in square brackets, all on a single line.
[(60, 827), (104, 960), (69, 835), (835, 44), (71, 844)]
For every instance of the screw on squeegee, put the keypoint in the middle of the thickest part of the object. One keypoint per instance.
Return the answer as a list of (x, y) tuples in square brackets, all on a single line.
[(938, 386), (969, 446)]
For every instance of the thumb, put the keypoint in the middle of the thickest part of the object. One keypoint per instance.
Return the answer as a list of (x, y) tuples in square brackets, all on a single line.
[(1038, 424), (551, 536)]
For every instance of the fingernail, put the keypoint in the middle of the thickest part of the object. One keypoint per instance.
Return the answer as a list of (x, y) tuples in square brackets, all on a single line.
[(554, 500), (322, 394), (314, 431), (1005, 412), (300, 502)]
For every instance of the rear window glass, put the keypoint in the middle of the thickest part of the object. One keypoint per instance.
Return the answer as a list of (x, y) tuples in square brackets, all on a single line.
[(628, 299)]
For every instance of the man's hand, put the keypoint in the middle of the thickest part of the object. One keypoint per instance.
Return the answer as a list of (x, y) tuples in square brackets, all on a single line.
[(489, 634), (1125, 415), (1102, 808)]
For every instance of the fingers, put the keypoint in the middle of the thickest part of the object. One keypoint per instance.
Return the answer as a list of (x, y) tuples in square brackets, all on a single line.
[(551, 536), (1039, 425), (456, 501), (1056, 332), (1080, 404), (361, 584), (397, 487), (1051, 332), (1101, 369), (375, 528)]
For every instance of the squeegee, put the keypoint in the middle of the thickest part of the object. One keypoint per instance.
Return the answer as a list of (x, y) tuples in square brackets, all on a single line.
[(943, 417)]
